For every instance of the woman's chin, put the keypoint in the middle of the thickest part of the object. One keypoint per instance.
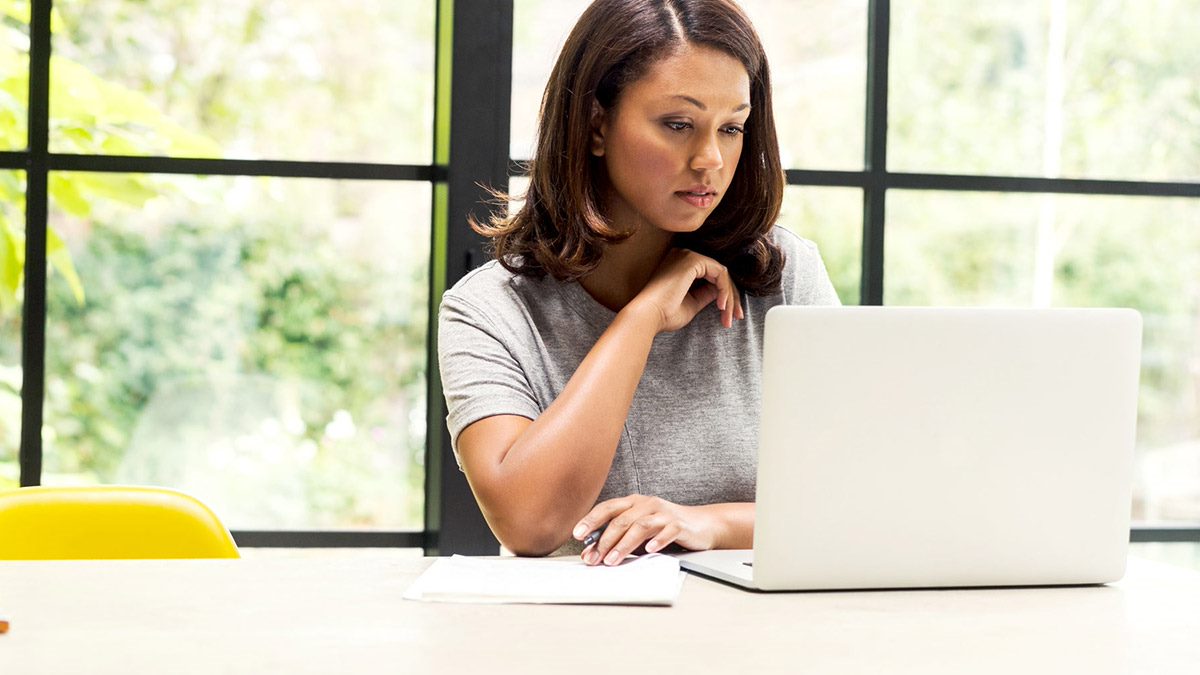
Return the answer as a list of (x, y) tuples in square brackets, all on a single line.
[(682, 226)]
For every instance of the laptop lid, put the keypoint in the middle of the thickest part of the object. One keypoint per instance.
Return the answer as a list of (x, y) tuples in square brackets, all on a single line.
[(922, 447)]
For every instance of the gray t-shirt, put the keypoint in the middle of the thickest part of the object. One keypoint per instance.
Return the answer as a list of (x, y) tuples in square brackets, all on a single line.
[(508, 344)]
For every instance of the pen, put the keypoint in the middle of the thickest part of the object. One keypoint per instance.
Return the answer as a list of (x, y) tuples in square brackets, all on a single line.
[(594, 536)]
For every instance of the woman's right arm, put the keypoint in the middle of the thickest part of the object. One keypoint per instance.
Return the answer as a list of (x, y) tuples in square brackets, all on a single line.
[(535, 479)]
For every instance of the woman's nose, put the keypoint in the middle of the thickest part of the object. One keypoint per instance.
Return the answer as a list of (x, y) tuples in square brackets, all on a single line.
[(706, 156)]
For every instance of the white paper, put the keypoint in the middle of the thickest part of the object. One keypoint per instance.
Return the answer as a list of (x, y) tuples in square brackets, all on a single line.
[(647, 580)]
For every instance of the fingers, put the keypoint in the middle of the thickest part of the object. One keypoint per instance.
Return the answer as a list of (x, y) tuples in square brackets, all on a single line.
[(684, 284), (641, 531), (635, 521), (600, 514), (729, 301), (665, 537), (623, 536)]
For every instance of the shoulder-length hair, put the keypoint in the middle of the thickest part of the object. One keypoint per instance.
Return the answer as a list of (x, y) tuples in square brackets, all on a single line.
[(560, 229)]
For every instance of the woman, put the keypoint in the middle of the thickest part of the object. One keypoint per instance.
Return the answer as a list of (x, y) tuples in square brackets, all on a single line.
[(604, 370)]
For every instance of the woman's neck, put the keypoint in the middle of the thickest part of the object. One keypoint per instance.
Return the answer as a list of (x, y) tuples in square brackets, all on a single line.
[(626, 267)]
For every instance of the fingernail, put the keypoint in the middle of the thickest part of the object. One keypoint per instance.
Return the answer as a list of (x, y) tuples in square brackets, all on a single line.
[(579, 530), (592, 557), (612, 558), (651, 546)]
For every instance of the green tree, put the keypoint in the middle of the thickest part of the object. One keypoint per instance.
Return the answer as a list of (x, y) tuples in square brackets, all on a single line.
[(219, 314)]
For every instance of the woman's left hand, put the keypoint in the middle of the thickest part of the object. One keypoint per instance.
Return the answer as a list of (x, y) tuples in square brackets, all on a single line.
[(635, 520)]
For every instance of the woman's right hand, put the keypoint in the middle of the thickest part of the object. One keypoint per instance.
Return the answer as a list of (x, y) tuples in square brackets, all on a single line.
[(674, 294)]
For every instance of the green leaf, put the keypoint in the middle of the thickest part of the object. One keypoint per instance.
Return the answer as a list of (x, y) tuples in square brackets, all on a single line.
[(74, 138), (12, 191), (60, 259), (17, 10), (65, 193), (116, 143), (12, 263), (133, 188), (133, 124)]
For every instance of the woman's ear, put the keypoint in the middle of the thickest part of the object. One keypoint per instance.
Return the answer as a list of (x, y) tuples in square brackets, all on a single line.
[(599, 127)]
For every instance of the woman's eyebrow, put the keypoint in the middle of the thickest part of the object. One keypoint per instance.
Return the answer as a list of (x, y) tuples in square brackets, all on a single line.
[(700, 105)]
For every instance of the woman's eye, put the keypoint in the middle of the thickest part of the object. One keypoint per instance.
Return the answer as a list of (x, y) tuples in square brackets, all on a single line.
[(735, 131), (677, 126)]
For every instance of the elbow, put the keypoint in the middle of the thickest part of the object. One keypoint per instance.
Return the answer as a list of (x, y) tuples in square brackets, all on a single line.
[(536, 550), (529, 521), (528, 537), (525, 525)]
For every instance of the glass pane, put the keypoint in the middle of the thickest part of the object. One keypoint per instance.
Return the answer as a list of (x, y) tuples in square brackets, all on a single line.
[(1096, 89), (817, 51), (959, 249), (540, 27), (818, 56), (305, 79), (1055, 250), (517, 185), (831, 217), (259, 342), (12, 255), (1183, 554), (14, 75)]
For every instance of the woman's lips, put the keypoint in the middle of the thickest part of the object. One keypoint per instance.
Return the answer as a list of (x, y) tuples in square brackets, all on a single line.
[(699, 200)]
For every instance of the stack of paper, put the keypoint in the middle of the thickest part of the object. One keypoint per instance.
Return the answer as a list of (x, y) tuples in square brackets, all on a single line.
[(647, 580)]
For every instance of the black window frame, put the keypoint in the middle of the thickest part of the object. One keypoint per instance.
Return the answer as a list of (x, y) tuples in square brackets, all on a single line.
[(473, 43)]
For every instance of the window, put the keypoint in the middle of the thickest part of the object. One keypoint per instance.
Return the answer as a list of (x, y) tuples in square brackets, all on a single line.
[(247, 211), (238, 209), (1045, 89), (970, 248), (302, 80), (256, 341), (1084, 89)]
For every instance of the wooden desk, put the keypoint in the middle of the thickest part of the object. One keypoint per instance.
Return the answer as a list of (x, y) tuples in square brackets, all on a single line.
[(336, 614)]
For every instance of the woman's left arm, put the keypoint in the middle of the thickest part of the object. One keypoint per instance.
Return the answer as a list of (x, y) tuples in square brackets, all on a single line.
[(637, 520)]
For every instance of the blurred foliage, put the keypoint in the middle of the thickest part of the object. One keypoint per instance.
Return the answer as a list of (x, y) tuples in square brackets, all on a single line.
[(976, 249), (260, 341), (301, 79), (967, 88), (226, 332), (198, 330), (984, 102), (92, 116)]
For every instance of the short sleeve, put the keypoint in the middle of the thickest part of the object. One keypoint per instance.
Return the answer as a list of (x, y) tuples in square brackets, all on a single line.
[(821, 290), (805, 279), (480, 376)]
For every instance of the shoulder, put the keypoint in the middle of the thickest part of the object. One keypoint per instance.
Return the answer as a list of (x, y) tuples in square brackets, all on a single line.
[(479, 296), (804, 279), (481, 285), (493, 294), (801, 256), (797, 249)]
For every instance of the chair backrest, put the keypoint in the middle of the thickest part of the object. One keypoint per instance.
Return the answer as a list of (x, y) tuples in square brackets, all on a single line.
[(109, 522)]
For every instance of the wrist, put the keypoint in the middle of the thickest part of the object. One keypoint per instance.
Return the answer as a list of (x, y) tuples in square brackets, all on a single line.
[(711, 523), (729, 525), (641, 315)]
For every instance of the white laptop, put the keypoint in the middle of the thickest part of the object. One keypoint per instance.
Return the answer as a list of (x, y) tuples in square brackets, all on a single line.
[(934, 447)]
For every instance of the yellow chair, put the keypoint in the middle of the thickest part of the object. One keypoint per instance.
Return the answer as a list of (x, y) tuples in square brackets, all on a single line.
[(108, 522)]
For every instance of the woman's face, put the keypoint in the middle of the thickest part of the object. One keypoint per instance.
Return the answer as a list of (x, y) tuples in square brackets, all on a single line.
[(672, 141)]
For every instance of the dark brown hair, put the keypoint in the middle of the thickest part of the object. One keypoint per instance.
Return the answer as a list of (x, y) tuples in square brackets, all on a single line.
[(560, 228)]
